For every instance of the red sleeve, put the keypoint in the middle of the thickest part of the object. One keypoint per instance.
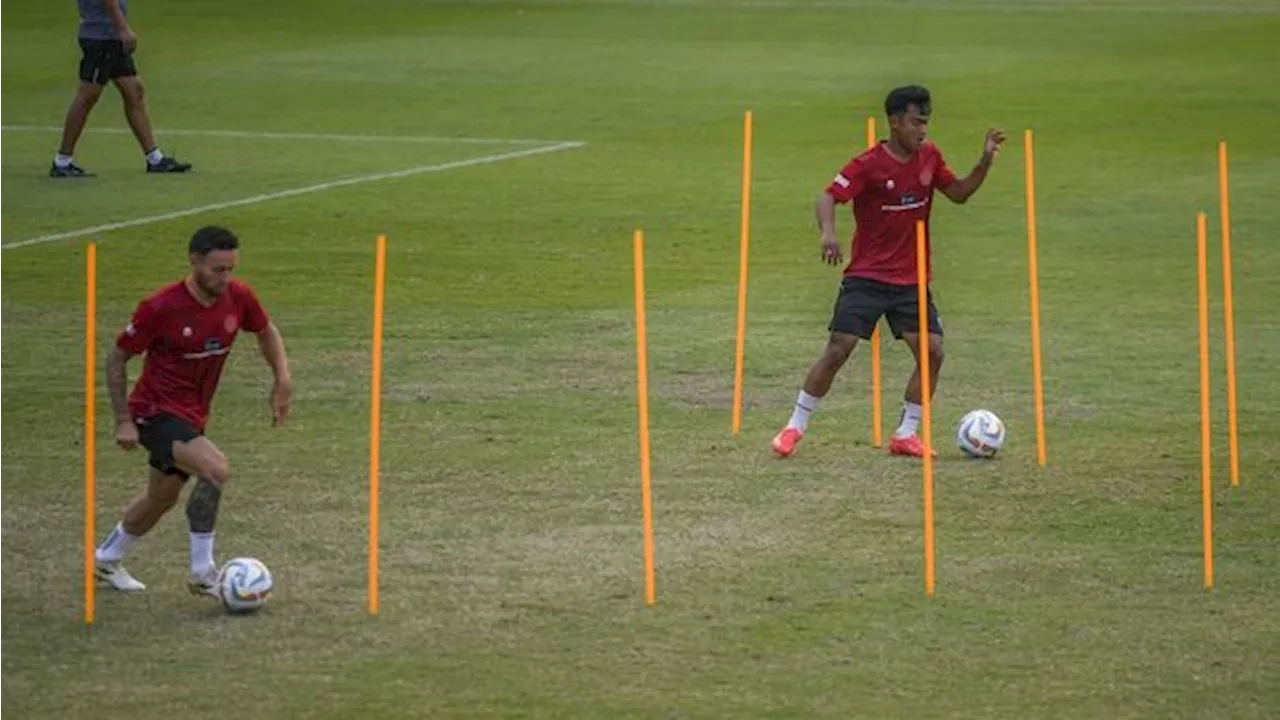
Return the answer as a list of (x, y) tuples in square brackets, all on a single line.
[(943, 176), (848, 183), (142, 329), (253, 317)]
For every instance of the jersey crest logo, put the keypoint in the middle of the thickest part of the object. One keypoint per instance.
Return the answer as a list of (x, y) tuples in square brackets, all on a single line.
[(926, 176), (230, 323)]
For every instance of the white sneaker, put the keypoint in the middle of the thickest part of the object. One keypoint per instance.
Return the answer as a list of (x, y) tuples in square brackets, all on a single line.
[(204, 583), (115, 574)]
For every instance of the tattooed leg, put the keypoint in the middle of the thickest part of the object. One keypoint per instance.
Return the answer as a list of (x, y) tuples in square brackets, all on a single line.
[(202, 516)]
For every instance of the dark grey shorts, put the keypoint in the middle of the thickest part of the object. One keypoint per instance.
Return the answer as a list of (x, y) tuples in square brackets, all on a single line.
[(861, 302), (104, 60), (158, 433)]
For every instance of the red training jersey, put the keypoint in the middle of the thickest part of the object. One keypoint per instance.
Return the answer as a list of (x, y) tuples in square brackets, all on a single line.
[(888, 196), (186, 344)]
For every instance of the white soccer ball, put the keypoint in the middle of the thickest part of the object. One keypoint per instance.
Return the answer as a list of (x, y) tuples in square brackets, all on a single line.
[(980, 434), (244, 584)]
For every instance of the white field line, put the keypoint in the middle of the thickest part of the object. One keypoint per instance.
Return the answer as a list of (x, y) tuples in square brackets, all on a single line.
[(294, 192), (336, 137)]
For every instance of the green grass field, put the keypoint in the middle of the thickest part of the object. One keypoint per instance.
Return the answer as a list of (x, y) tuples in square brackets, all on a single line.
[(512, 581)]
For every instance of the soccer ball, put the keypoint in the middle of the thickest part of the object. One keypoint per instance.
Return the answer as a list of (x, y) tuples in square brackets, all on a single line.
[(244, 584), (980, 434)]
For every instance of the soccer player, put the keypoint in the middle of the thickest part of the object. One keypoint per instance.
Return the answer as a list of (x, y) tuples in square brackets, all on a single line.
[(186, 329), (891, 187), (107, 43)]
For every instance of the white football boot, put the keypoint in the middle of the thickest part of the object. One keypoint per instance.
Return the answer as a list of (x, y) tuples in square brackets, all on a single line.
[(204, 583), (115, 575)]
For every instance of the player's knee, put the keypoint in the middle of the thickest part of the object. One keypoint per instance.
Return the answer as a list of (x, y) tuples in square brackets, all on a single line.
[(219, 472), (936, 352), (88, 94), (837, 352), (132, 92)]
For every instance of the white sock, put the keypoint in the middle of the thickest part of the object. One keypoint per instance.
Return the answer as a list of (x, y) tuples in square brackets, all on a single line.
[(117, 543), (61, 160), (155, 156), (805, 405), (201, 553), (910, 419)]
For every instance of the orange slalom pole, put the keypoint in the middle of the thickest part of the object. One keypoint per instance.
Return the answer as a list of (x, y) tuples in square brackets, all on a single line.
[(742, 274), (1228, 308), (1034, 277), (1206, 462), (926, 420), (642, 385), (877, 405), (375, 417), (90, 424)]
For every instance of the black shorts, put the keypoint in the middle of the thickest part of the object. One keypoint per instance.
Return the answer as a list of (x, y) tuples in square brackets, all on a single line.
[(158, 433), (861, 302), (104, 60)]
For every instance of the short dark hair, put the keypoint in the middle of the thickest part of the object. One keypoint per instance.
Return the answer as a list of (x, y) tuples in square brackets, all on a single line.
[(904, 97), (210, 238)]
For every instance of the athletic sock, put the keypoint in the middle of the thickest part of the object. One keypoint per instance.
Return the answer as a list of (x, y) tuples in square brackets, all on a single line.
[(805, 405), (201, 553), (61, 160), (154, 156), (910, 419), (116, 545)]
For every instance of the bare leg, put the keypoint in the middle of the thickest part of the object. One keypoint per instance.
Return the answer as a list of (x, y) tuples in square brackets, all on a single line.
[(936, 354), (73, 126), (139, 517), (912, 410), (816, 385), (833, 357), (135, 110), (202, 458), (78, 116), (151, 504)]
